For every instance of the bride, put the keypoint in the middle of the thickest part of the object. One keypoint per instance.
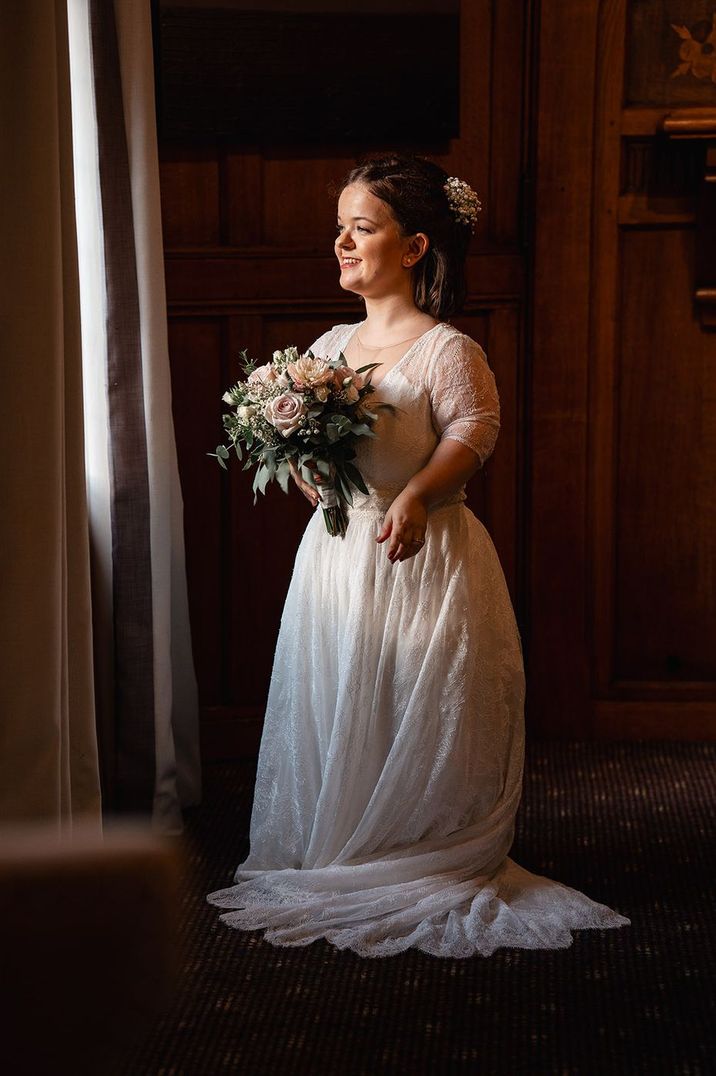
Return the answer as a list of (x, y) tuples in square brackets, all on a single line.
[(390, 768)]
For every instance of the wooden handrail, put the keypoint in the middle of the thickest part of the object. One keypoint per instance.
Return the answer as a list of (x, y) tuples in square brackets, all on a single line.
[(690, 123)]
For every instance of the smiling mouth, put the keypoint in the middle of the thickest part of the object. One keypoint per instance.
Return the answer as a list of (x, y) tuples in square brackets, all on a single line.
[(346, 263)]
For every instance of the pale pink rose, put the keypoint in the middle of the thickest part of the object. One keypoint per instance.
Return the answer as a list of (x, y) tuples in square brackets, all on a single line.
[(285, 412), (342, 372), (266, 374), (308, 372)]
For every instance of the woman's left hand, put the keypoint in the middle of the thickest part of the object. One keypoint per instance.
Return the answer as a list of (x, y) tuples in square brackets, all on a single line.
[(405, 523)]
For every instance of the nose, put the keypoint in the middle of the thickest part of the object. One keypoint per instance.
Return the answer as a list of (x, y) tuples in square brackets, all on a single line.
[(343, 241)]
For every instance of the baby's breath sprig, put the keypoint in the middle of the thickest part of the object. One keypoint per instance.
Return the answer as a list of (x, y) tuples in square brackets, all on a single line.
[(463, 201)]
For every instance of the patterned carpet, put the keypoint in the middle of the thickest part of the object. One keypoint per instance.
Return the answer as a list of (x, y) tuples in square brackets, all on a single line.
[(628, 823)]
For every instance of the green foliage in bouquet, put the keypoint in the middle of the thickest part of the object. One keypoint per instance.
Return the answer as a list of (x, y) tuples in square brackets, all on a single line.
[(300, 407)]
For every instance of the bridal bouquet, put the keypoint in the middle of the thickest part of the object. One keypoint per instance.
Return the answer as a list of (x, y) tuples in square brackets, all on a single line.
[(299, 408)]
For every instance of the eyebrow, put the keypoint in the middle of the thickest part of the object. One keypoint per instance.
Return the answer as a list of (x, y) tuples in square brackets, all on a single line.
[(364, 218)]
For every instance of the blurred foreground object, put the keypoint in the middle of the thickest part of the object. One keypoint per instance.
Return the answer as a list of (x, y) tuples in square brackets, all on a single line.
[(88, 943)]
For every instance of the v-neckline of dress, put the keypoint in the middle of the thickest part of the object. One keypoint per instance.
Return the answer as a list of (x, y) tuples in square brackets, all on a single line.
[(402, 357)]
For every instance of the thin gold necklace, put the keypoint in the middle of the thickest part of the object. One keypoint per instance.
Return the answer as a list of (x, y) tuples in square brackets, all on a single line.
[(385, 347)]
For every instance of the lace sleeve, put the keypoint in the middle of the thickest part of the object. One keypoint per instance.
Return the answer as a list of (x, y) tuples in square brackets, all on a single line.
[(464, 397)]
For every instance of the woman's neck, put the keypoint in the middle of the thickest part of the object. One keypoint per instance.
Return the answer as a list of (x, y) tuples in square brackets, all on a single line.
[(389, 316)]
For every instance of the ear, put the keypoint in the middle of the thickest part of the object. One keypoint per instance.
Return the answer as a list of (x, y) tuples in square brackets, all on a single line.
[(418, 245)]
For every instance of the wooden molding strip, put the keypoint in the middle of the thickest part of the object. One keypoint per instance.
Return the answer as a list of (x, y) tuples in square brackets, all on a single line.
[(679, 122), (639, 209), (641, 121), (205, 276), (654, 720), (690, 123)]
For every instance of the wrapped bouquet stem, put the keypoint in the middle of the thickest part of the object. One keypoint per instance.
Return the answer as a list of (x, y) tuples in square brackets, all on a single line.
[(302, 408), (334, 513)]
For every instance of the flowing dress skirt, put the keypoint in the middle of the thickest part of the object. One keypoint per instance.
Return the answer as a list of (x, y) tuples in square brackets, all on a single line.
[(391, 760)]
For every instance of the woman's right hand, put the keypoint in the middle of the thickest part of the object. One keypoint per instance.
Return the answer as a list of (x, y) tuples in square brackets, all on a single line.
[(305, 487)]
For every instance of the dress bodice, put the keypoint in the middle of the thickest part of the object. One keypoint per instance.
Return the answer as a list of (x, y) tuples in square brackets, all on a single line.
[(441, 387)]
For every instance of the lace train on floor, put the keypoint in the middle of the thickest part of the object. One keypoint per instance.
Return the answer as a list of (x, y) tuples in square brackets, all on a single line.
[(444, 915)]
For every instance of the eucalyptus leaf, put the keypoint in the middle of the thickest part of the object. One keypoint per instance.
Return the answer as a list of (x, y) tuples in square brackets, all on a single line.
[(216, 457), (343, 488), (307, 475), (355, 476), (283, 475), (264, 478), (270, 463)]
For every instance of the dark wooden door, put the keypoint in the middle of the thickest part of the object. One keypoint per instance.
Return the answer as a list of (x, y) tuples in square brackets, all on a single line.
[(248, 238), (622, 475)]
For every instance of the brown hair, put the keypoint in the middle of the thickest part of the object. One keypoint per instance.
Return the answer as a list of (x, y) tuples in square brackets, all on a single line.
[(413, 188)]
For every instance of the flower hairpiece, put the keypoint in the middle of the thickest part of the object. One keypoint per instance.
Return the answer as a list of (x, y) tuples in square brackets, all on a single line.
[(463, 200)]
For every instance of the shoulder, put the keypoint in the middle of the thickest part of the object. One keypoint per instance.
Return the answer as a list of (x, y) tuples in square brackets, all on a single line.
[(456, 353), (335, 336)]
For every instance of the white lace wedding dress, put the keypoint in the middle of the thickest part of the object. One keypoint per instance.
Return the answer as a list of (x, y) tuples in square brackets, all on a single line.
[(391, 760)]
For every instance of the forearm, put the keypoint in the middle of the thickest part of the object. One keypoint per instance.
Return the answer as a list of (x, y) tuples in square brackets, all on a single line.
[(451, 465)]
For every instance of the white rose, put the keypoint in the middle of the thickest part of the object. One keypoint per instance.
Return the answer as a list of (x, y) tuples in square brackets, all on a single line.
[(285, 412), (265, 374)]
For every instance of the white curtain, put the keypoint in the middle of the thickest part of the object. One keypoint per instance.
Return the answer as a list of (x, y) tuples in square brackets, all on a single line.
[(146, 687)]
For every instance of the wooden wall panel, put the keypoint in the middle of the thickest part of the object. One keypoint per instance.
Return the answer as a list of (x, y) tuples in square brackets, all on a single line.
[(306, 216), (558, 665), (665, 513), (190, 189), (623, 467)]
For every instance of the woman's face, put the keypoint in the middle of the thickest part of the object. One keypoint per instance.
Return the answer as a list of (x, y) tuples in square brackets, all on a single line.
[(369, 248)]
